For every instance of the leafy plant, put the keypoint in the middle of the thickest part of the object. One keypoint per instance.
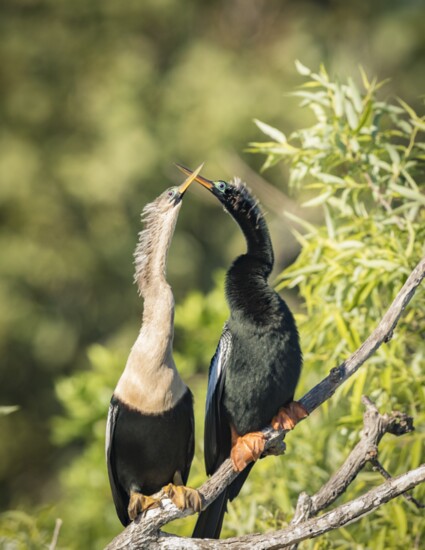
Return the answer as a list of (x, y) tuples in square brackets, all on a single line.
[(362, 162), (349, 270)]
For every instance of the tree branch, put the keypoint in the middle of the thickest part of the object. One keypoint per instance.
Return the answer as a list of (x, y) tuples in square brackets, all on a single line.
[(375, 427), (378, 466), (146, 532), (338, 517)]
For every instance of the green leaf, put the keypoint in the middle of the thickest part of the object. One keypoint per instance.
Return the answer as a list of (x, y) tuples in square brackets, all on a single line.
[(408, 193), (8, 409), (320, 199), (353, 120), (355, 95), (275, 134), (302, 69), (408, 109), (338, 101), (400, 519)]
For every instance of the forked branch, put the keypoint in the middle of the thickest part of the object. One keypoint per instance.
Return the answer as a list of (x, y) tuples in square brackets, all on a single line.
[(145, 533)]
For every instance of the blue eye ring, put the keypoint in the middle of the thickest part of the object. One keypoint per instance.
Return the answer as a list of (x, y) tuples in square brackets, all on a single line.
[(171, 193)]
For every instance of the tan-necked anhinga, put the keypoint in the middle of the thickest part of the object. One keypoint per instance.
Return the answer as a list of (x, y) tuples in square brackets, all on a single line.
[(150, 428), (255, 369)]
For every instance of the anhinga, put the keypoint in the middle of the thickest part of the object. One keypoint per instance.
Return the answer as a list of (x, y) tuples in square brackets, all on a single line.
[(150, 428), (255, 369)]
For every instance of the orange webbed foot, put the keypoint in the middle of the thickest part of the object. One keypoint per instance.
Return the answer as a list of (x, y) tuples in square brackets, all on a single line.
[(140, 503), (288, 416), (184, 497), (246, 449)]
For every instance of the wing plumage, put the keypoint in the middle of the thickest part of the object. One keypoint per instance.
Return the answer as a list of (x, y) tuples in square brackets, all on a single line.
[(191, 441), (119, 496), (217, 433)]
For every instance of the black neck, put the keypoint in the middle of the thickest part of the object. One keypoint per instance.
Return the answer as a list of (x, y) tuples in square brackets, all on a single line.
[(254, 228), (247, 290)]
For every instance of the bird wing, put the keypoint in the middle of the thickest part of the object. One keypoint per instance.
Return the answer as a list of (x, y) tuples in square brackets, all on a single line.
[(217, 437), (191, 441), (118, 494)]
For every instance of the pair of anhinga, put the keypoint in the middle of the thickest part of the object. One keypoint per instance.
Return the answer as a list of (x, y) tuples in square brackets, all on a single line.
[(252, 376)]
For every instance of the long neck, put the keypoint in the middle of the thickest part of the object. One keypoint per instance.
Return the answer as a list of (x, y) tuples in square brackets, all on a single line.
[(150, 382), (253, 225), (152, 250), (151, 259), (247, 290)]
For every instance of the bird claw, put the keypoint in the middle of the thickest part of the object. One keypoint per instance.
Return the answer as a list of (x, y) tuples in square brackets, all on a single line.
[(247, 448), (140, 503), (183, 497), (288, 416)]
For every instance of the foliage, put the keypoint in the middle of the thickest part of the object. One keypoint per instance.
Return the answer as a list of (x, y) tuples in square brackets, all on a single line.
[(98, 100), (347, 273), (21, 531), (363, 162)]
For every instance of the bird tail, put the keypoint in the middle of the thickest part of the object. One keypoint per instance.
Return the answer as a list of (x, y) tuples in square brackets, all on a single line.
[(210, 521)]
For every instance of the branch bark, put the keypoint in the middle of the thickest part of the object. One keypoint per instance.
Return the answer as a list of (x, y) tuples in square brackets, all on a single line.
[(338, 517), (375, 427), (145, 533)]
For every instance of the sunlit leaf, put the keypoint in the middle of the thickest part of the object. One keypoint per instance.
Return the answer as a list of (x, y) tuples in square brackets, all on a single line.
[(8, 410), (270, 131), (302, 69)]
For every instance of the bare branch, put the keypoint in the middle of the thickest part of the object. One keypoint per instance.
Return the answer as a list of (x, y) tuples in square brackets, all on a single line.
[(58, 525), (155, 519), (338, 517), (375, 427), (378, 466)]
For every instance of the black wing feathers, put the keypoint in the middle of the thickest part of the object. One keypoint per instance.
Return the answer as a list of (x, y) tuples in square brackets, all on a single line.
[(217, 438), (118, 494)]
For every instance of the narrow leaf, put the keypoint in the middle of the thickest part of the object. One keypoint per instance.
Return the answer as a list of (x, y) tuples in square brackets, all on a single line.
[(302, 69), (274, 133)]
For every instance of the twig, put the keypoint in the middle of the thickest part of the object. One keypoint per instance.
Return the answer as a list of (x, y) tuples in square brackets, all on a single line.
[(58, 525), (375, 427), (378, 466), (155, 519)]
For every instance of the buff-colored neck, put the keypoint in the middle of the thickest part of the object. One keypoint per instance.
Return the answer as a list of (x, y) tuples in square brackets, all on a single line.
[(150, 382)]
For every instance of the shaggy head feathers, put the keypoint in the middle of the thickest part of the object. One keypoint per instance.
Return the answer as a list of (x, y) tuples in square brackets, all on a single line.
[(159, 219), (239, 198)]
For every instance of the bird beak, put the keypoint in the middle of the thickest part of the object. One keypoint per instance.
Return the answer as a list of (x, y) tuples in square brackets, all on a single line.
[(193, 175)]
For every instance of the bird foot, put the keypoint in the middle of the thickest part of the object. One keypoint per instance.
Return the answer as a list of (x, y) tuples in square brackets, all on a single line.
[(288, 416), (140, 503), (183, 497), (246, 449)]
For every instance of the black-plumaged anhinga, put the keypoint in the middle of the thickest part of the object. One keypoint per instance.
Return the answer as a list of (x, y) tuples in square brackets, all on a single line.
[(255, 369), (150, 428)]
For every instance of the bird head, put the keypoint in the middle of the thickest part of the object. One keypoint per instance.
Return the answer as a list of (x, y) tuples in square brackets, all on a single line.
[(233, 196), (173, 196)]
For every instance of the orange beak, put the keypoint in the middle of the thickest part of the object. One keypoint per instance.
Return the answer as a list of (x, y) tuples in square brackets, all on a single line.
[(193, 175)]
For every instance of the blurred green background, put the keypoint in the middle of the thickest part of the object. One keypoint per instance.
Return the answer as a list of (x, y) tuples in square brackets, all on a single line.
[(98, 99)]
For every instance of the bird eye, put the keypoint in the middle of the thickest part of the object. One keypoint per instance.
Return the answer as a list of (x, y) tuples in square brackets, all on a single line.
[(221, 185), (171, 193)]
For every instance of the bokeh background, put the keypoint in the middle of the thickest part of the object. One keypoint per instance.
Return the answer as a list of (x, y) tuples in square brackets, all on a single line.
[(98, 99)]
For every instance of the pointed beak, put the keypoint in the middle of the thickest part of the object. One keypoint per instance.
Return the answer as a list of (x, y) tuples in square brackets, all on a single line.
[(193, 175)]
